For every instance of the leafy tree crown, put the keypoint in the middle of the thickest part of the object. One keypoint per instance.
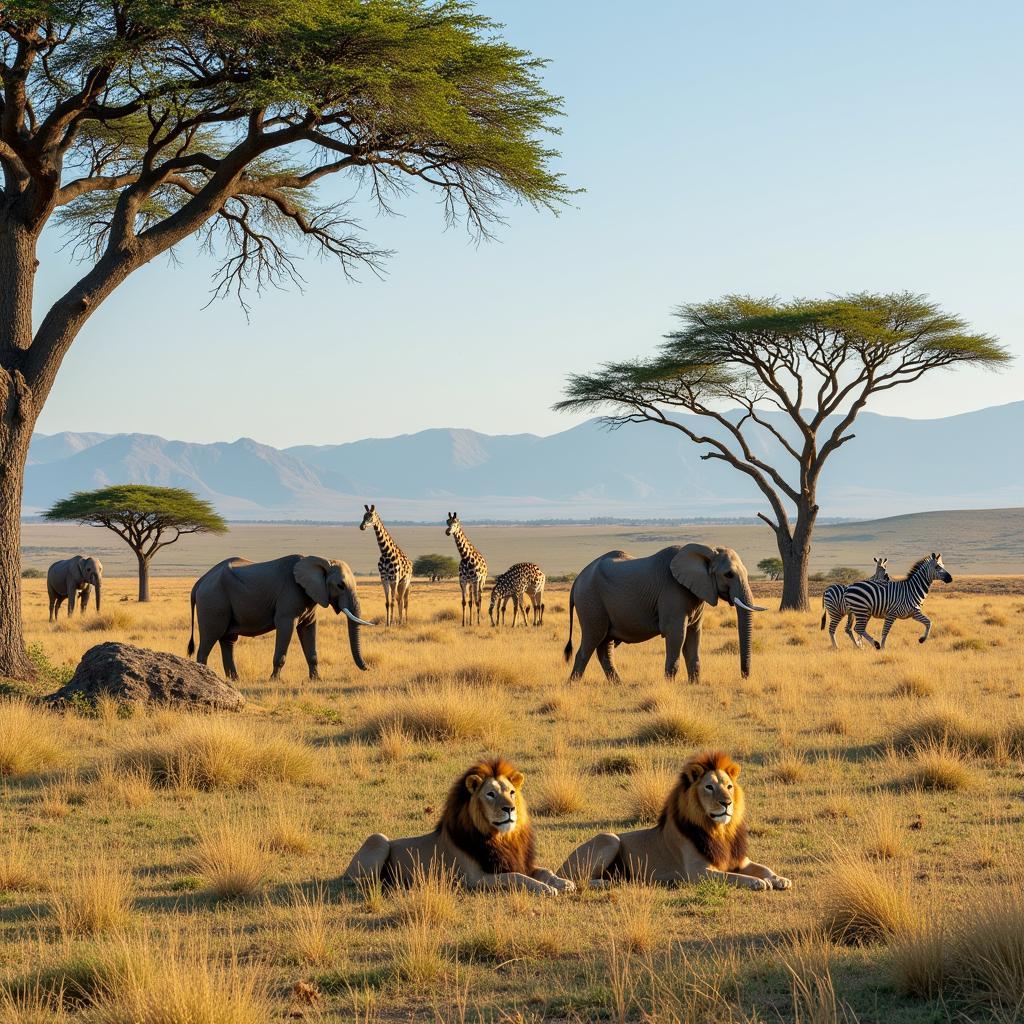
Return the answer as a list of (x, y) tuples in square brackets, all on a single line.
[(139, 507)]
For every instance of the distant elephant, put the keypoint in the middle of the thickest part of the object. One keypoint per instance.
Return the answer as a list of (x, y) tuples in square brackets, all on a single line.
[(70, 577), (242, 598), (621, 599)]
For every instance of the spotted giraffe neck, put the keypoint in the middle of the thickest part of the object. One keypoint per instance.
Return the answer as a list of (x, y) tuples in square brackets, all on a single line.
[(385, 541), (465, 546)]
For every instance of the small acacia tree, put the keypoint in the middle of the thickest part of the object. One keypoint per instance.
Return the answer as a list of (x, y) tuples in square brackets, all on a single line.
[(771, 567), (779, 386), (146, 518), (436, 567), (134, 125)]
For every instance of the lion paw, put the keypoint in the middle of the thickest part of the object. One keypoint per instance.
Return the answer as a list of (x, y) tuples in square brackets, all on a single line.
[(781, 883), (563, 884), (759, 884)]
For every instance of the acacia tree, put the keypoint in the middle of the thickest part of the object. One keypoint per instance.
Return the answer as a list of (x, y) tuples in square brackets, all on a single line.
[(799, 372), (137, 124), (144, 517), (436, 567)]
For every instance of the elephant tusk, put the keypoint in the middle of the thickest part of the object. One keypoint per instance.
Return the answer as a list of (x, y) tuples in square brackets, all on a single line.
[(747, 607), (355, 618)]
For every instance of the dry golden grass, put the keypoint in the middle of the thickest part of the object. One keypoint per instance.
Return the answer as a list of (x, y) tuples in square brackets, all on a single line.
[(232, 858), (646, 789), (93, 897), (177, 982), (862, 904), (31, 740), (937, 765), (105, 622), (676, 723), (210, 752), (141, 788), (562, 789), (442, 710)]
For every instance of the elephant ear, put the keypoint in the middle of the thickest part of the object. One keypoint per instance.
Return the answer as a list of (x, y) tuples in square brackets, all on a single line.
[(691, 567), (310, 573), (77, 575)]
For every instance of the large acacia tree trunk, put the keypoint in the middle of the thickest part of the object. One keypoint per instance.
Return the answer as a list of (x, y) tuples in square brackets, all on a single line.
[(143, 576), (795, 552), (17, 419)]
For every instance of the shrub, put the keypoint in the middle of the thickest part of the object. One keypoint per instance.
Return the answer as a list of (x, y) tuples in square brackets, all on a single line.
[(31, 573)]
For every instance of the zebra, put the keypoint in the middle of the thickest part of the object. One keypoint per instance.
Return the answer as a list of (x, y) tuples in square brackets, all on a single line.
[(834, 603), (900, 599)]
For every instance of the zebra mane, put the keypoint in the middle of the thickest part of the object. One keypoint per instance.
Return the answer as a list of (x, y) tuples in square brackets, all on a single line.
[(917, 565)]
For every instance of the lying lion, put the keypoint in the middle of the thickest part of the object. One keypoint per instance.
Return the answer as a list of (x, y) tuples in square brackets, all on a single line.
[(700, 834), (484, 837)]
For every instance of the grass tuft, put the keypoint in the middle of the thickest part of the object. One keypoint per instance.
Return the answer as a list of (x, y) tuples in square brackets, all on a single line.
[(94, 897), (232, 859), (675, 724), (861, 905), (443, 712), (939, 766), (31, 740)]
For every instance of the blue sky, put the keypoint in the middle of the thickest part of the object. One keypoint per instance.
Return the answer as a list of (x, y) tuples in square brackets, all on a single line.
[(789, 148)]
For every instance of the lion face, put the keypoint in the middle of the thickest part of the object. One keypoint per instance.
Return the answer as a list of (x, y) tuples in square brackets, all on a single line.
[(709, 786), (495, 802)]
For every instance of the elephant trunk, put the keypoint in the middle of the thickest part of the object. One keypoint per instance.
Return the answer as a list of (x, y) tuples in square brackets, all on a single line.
[(354, 626), (98, 582), (354, 642), (743, 624)]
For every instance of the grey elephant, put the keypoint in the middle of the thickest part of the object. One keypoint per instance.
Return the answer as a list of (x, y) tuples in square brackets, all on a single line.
[(242, 598), (621, 599), (70, 578)]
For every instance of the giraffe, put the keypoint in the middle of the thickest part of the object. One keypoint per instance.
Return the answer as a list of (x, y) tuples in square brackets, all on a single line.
[(472, 568), (394, 566), (522, 578)]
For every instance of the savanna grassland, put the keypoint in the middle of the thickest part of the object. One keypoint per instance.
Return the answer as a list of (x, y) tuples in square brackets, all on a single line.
[(166, 868)]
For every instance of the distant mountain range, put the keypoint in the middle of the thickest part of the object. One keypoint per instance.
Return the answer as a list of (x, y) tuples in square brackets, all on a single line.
[(894, 466)]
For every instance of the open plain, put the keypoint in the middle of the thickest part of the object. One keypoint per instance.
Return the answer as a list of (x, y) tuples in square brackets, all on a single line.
[(165, 859)]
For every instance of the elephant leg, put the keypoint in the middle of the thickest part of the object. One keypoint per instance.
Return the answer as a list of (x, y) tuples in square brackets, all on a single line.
[(85, 598), (227, 655), (919, 616), (886, 626), (285, 629), (54, 602), (604, 657), (674, 636), (691, 652), (206, 642), (307, 640), (72, 594)]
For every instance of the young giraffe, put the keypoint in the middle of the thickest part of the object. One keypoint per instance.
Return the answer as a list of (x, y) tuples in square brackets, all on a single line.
[(522, 578), (394, 566), (472, 568)]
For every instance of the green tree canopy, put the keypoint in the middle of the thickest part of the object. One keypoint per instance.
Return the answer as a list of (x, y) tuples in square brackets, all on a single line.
[(776, 387), (436, 566), (146, 518), (845, 574), (771, 567)]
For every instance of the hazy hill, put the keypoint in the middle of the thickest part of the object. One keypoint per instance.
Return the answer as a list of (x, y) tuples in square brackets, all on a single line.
[(894, 466)]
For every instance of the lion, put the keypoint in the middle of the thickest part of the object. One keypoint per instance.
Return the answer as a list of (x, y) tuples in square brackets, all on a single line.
[(701, 833), (484, 838)]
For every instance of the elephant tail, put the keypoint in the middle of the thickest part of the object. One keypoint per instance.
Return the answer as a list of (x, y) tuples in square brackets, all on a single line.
[(567, 653), (192, 638)]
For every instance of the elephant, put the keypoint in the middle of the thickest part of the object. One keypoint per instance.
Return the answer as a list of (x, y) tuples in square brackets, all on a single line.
[(242, 598), (621, 599), (70, 577)]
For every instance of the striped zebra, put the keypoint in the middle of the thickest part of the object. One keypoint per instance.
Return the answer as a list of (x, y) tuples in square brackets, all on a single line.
[(900, 599), (834, 603)]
